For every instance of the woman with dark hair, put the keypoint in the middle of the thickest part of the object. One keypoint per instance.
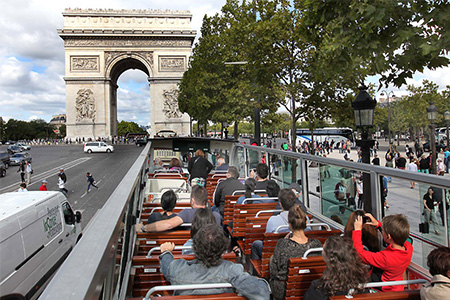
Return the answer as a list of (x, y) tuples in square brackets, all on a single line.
[(202, 217), (294, 245), (168, 202), (370, 238), (344, 272), (210, 243), (250, 185), (175, 165)]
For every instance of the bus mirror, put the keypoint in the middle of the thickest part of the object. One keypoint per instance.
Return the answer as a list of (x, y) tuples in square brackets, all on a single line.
[(78, 217)]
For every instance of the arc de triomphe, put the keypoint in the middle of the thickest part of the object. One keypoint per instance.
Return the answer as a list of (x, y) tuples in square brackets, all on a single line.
[(102, 44)]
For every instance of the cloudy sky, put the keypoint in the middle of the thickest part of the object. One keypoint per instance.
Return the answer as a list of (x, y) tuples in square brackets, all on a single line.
[(32, 57)]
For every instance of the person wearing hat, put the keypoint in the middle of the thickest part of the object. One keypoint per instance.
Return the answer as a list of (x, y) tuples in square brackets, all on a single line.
[(43, 186)]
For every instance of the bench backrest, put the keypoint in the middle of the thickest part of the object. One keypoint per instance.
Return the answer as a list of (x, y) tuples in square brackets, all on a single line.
[(242, 211), (254, 230), (301, 273)]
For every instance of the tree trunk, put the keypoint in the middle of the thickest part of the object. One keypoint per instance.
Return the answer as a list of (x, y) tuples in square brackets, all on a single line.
[(236, 131)]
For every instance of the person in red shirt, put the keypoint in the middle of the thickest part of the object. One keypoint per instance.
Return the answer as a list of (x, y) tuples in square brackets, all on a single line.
[(395, 259), (43, 186)]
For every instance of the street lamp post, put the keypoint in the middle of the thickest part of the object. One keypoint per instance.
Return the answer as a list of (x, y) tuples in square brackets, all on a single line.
[(447, 120), (383, 92), (432, 115), (364, 107)]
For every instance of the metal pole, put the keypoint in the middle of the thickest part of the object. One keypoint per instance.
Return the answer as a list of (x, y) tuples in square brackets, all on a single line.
[(448, 142), (365, 144), (389, 118), (433, 149), (257, 125)]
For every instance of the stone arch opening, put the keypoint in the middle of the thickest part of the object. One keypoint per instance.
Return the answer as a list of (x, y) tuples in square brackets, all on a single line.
[(114, 71)]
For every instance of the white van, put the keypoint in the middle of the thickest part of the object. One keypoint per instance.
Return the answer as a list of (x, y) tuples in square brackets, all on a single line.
[(37, 232), (98, 147)]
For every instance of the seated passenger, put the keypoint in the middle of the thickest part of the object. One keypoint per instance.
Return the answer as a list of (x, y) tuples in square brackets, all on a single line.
[(175, 165), (250, 184), (226, 187), (439, 263), (222, 166), (344, 270), (157, 165), (293, 245), (199, 199), (395, 259), (202, 217), (295, 188), (168, 202), (210, 243), (370, 238), (261, 171), (287, 200)]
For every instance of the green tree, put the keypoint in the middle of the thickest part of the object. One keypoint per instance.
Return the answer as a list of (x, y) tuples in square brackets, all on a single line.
[(391, 38), (125, 127)]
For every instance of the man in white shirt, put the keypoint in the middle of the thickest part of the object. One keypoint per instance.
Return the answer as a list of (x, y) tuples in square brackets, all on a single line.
[(28, 171)]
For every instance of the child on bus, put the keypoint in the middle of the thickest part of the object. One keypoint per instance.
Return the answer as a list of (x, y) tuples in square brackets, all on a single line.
[(393, 260)]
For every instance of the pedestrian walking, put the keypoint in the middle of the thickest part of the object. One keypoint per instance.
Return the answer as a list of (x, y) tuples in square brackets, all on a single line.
[(63, 175), (91, 182), (22, 171), (43, 186), (412, 167), (62, 185), (28, 171), (22, 187)]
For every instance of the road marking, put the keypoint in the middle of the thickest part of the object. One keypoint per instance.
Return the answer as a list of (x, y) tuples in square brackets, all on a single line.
[(37, 178)]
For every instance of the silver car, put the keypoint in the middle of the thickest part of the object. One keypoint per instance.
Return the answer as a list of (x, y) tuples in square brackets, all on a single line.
[(17, 158)]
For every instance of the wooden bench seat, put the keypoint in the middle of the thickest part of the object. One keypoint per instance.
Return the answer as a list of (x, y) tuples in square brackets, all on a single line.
[(301, 273), (242, 211)]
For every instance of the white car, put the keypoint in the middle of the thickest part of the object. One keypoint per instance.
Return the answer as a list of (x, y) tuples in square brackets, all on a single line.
[(98, 147), (23, 146)]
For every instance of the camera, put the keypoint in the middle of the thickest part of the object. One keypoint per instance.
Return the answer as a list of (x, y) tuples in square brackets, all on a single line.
[(366, 219)]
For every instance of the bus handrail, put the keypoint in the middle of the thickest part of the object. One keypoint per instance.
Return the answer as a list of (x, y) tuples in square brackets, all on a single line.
[(176, 248), (267, 211), (187, 287), (312, 250), (263, 199)]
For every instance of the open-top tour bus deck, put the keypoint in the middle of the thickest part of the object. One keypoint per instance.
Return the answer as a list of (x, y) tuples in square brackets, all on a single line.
[(112, 261)]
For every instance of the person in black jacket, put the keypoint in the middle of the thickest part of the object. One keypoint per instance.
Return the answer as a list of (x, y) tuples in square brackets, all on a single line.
[(227, 187), (199, 166)]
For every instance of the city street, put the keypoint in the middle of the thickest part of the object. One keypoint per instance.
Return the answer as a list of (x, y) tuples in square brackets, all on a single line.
[(107, 170)]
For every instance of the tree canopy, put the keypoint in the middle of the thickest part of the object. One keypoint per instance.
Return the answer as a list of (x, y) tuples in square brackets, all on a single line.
[(308, 56)]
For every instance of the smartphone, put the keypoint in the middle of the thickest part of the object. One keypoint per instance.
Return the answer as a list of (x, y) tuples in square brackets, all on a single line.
[(366, 219)]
